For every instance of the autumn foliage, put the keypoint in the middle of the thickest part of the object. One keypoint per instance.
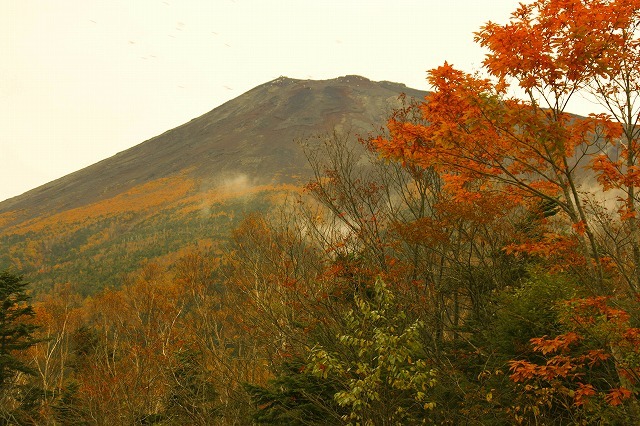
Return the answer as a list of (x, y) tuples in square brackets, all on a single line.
[(477, 261)]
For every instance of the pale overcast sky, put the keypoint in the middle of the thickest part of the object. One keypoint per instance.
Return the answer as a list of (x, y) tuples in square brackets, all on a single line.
[(81, 80)]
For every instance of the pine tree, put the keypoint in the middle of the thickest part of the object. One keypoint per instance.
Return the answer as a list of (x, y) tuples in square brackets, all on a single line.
[(16, 332)]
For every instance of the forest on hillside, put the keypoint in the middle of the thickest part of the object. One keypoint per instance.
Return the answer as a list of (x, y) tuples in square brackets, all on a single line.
[(482, 267)]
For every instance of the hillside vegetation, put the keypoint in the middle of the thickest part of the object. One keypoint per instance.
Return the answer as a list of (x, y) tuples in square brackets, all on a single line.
[(95, 245)]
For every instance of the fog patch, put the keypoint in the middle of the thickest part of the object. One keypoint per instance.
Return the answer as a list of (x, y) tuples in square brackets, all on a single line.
[(234, 184), (219, 189)]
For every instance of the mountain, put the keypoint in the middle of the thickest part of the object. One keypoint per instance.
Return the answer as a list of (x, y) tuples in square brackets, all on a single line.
[(186, 186)]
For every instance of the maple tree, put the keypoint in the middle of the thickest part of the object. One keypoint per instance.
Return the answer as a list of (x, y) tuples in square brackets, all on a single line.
[(556, 49), (492, 150), (488, 144)]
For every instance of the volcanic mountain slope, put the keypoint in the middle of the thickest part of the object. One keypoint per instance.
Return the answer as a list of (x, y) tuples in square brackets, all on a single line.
[(252, 135), (185, 186)]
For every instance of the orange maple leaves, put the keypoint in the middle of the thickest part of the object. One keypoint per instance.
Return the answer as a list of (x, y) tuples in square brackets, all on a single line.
[(562, 44), (569, 359)]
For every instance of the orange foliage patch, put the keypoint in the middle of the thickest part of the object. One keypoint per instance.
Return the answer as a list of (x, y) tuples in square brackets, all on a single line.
[(138, 199)]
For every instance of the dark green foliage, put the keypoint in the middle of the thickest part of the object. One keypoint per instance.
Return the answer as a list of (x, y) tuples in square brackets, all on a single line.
[(296, 397), (68, 409), (479, 387), (527, 311), (18, 400), (193, 397), (150, 419), (20, 405), (16, 333)]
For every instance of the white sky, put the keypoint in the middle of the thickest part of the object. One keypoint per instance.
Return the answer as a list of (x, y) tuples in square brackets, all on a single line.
[(81, 80)]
